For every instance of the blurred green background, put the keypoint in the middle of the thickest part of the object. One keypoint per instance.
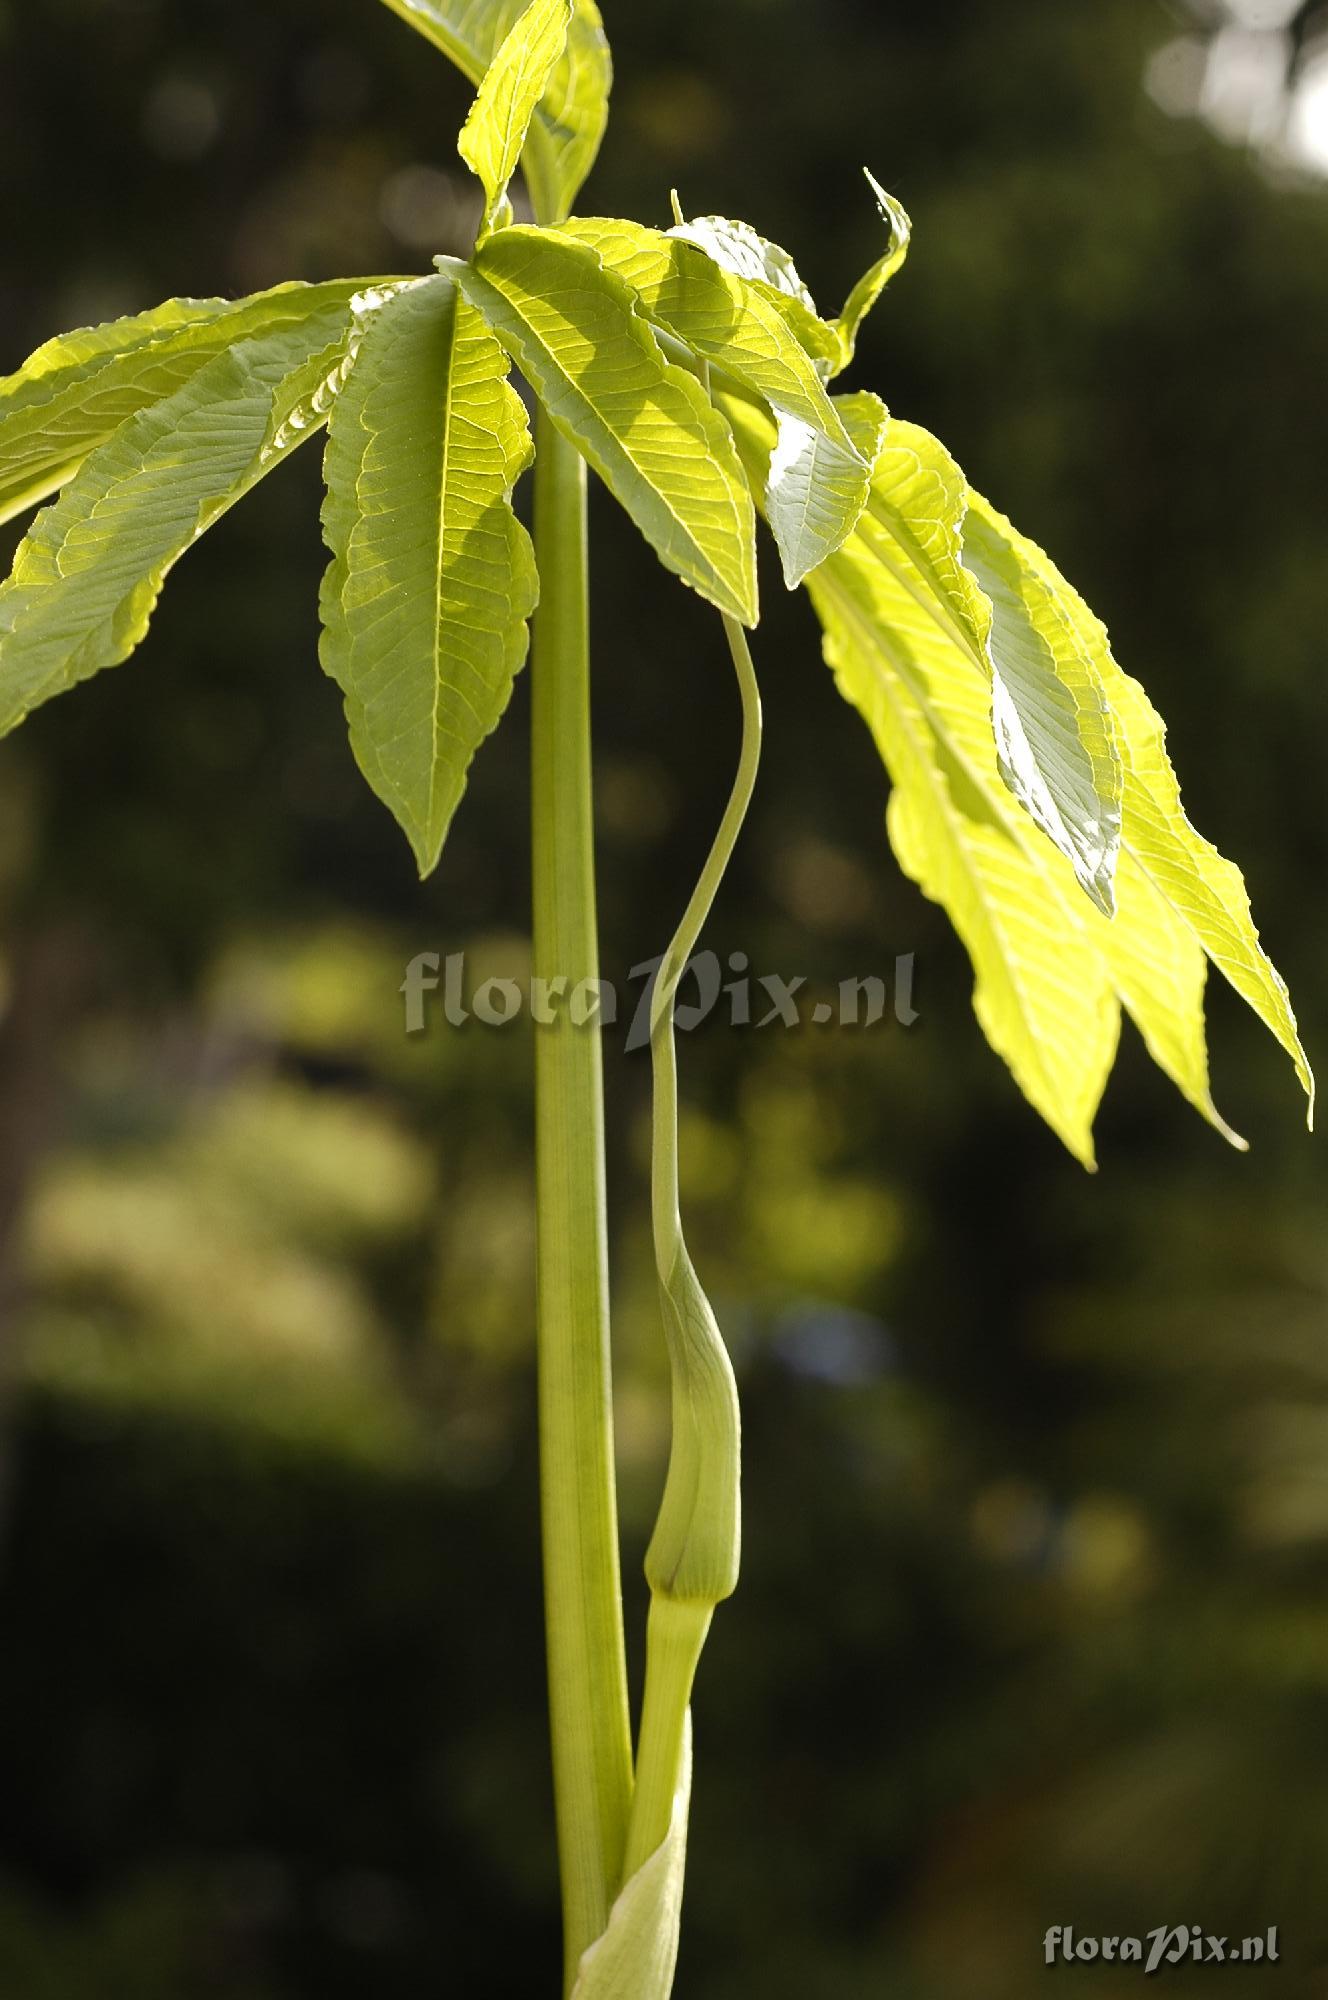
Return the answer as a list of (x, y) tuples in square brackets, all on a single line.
[(1033, 1626)]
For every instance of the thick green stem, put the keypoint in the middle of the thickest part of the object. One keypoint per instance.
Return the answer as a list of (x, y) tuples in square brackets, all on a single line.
[(592, 1756)]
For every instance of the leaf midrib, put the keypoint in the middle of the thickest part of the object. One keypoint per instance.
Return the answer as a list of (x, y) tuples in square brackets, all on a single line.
[(669, 371)]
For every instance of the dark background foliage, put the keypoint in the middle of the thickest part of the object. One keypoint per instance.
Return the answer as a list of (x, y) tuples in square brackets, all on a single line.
[(1032, 1628)]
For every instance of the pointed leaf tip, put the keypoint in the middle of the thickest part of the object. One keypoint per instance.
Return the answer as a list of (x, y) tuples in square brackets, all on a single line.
[(873, 281), (425, 601), (569, 122), (514, 85)]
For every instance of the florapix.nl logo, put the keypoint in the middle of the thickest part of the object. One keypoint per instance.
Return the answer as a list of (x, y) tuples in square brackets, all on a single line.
[(726, 991), (1165, 1946)]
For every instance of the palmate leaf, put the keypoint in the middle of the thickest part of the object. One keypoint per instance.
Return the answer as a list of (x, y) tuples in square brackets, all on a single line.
[(1051, 971), (494, 136), (819, 477), (433, 578), (75, 391), (87, 576), (567, 128), (646, 426)]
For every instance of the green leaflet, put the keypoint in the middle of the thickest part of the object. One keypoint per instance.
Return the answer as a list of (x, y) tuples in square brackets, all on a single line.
[(736, 247), (818, 480), (873, 282), (565, 135), (88, 574), (814, 495), (1053, 738), (494, 135), (726, 319), (636, 1956), (433, 578), (646, 427), (831, 344), (1040, 992), (74, 392), (1051, 971), (1205, 894)]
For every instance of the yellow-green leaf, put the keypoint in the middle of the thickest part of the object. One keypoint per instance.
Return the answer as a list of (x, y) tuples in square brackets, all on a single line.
[(567, 128), (74, 392), (1053, 741), (646, 426), (1205, 893), (874, 281), (1040, 993), (1054, 736), (1051, 971), (87, 575), (818, 480), (736, 247), (494, 135), (433, 578)]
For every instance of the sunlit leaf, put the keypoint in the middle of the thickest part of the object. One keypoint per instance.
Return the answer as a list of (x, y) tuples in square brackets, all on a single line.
[(874, 281), (814, 494), (433, 578), (494, 136), (87, 576), (646, 426), (565, 134), (818, 479), (1205, 893), (736, 247), (1051, 971), (636, 1956), (1040, 993), (75, 391), (1049, 722), (1054, 736)]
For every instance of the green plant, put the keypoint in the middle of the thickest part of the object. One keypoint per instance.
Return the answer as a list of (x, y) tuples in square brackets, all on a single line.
[(690, 369)]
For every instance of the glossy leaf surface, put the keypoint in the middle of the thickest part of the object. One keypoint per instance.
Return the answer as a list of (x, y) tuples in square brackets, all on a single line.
[(645, 425)]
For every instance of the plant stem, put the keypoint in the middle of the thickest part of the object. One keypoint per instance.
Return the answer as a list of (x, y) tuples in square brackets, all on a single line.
[(592, 1756), (692, 1563)]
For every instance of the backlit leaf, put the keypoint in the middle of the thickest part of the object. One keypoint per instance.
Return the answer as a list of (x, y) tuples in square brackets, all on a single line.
[(1052, 735), (494, 136), (818, 480), (736, 247), (433, 578), (646, 426), (75, 391), (566, 131), (87, 576), (1051, 971), (874, 281), (1040, 993), (1205, 893)]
